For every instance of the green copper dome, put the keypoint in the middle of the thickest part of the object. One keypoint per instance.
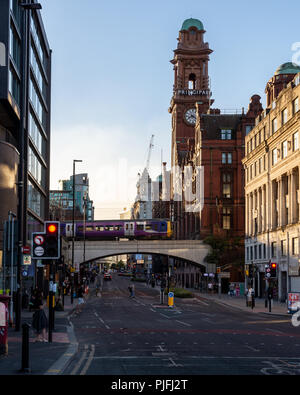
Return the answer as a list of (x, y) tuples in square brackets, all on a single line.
[(192, 23), (288, 68)]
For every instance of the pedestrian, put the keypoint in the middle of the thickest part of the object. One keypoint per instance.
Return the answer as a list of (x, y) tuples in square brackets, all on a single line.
[(130, 290), (80, 303), (40, 321)]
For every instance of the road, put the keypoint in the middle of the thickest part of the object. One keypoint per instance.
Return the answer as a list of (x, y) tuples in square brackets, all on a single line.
[(118, 335)]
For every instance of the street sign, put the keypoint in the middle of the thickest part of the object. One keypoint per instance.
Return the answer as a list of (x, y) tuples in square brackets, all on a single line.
[(26, 250), (293, 302), (26, 260), (224, 274), (39, 240), (171, 299), (39, 251)]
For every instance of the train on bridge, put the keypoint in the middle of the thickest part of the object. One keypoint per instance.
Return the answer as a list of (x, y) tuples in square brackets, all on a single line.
[(118, 229)]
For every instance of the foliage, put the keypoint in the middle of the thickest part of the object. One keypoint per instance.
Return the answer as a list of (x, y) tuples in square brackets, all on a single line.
[(224, 250), (181, 293)]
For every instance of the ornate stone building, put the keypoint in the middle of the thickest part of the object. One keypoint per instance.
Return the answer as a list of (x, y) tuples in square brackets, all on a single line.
[(191, 86), (272, 163)]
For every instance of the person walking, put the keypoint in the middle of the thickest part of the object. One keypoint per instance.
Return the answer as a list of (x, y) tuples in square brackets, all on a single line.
[(80, 303), (132, 291), (40, 321)]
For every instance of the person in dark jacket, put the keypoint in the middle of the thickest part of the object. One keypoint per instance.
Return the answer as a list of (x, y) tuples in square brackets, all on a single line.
[(40, 321)]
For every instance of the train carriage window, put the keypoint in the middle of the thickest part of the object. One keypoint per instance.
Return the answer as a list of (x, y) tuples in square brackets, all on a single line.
[(100, 228), (148, 227), (89, 228), (106, 228), (140, 227), (155, 227), (111, 228), (80, 228), (163, 226), (118, 227)]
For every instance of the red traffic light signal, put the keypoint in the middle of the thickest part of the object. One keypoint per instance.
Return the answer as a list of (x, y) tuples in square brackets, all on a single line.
[(273, 267), (51, 228)]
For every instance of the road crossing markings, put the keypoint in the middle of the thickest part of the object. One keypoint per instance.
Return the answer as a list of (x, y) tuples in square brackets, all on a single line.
[(183, 323), (251, 348), (89, 361), (77, 366)]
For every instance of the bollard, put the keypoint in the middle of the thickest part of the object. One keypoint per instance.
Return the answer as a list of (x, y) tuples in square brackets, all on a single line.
[(25, 348)]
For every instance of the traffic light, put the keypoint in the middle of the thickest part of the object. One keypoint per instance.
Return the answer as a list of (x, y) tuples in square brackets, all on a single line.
[(52, 240), (46, 245), (251, 270), (273, 271)]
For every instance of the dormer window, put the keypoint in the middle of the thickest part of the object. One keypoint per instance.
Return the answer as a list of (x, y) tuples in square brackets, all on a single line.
[(226, 134)]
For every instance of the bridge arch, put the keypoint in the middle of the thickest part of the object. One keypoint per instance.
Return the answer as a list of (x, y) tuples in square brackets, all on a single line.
[(193, 251)]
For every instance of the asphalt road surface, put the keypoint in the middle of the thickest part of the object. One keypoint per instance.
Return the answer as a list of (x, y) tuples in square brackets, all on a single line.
[(118, 335)]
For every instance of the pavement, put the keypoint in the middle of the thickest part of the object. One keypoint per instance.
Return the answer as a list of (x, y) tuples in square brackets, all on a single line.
[(53, 358), (238, 302), (44, 358)]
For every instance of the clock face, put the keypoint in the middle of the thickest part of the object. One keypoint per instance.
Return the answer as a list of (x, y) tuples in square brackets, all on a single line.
[(190, 116)]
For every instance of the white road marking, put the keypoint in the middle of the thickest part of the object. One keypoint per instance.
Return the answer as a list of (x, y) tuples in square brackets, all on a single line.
[(89, 361), (252, 348), (77, 366), (183, 323)]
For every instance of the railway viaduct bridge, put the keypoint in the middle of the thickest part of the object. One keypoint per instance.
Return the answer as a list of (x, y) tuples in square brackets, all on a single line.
[(191, 251)]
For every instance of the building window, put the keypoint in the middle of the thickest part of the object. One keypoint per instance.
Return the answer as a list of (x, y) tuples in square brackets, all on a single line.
[(273, 249), (295, 141), (226, 134), (274, 156), (259, 251), (226, 218), (284, 149), (248, 129), (36, 202), (15, 48), (226, 157), (14, 86), (295, 246), (274, 125), (284, 116), (283, 247), (16, 10), (36, 169), (295, 106), (260, 165), (226, 187)]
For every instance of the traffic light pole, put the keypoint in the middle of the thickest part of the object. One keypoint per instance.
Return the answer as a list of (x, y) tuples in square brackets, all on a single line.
[(51, 296)]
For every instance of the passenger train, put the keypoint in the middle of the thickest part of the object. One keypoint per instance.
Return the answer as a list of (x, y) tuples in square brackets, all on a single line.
[(116, 229)]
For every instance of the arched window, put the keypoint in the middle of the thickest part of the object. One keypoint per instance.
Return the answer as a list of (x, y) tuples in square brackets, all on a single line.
[(192, 81)]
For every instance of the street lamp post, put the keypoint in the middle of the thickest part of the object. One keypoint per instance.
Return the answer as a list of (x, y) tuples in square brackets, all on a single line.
[(73, 229)]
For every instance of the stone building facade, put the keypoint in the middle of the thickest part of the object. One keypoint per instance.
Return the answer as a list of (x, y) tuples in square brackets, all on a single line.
[(272, 164)]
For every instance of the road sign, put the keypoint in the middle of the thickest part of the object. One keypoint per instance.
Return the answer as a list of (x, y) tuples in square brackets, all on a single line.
[(26, 260), (39, 251), (26, 250), (224, 274), (39, 240), (171, 299)]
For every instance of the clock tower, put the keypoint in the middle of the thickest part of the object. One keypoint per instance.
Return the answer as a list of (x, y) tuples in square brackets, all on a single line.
[(191, 86)]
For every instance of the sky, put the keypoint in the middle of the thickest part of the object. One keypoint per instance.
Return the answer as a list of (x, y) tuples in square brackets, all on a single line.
[(112, 80)]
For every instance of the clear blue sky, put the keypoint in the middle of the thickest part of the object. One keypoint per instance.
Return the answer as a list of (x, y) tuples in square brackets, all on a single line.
[(112, 80)]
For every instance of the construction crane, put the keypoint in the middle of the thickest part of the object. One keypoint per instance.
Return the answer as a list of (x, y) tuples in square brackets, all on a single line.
[(149, 152)]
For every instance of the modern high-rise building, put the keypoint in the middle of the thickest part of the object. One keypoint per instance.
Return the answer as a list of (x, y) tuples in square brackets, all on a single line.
[(25, 104), (61, 200)]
